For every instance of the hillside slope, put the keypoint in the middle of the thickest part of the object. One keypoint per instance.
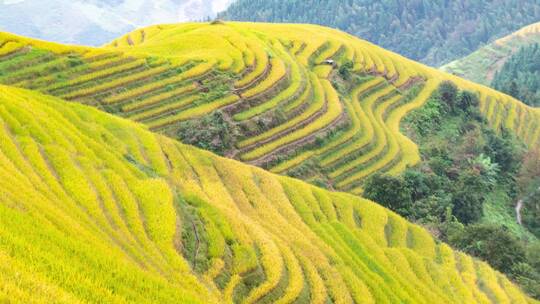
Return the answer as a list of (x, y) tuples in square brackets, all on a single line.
[(481, 65), (110, 212), (520, 75), (261, 93), (431, 31)]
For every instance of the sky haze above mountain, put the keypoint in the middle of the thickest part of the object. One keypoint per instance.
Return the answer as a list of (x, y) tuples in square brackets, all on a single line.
[(96, 22)]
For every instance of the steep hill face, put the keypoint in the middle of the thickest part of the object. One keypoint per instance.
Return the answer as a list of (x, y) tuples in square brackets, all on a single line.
[(434, 32), (301, 100), (94, 208), (482, 65)]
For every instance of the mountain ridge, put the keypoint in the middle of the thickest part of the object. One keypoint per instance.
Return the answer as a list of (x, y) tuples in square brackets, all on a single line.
[(433, 32)]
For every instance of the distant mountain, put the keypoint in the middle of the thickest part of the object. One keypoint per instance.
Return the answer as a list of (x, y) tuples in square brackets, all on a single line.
[(432, 31), (96, 22), (482, 65)]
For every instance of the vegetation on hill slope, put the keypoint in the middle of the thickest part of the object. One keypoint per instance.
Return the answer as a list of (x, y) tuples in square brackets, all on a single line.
[(468, 185), (95, 208), (301, 100), (482, 65), (520, 75), (434, 32)]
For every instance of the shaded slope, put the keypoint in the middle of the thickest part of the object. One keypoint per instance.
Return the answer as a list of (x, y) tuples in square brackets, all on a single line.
[(261, 93), (95, 208), (481, 65)]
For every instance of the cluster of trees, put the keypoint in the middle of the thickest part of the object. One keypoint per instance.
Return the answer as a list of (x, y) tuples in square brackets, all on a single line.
[(503, 251), (431, 31), (520, 75), (463, 162), (212, 132)]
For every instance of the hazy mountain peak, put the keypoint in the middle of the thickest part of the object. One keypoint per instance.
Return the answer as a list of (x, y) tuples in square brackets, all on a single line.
[(96, 22)]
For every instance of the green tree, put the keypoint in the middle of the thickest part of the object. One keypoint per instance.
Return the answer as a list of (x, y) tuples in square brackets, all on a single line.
[(469, 195), (520, 75), (504, 150), (468, 102), (391, 192), (345, 70), (448, 92), (211, 132), (491, 243)]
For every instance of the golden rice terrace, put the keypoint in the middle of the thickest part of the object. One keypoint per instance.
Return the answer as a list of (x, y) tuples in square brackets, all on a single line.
[(112, 213), (284, 96), (97, 208)]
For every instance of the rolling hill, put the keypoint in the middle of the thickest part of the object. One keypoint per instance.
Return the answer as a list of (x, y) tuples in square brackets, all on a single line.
[(95, 208), (301, 100), (430, 31), (481, 65)]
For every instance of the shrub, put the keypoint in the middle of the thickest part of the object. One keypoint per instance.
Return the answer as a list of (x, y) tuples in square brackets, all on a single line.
[(391, 192), (493, 244), (468, 198), (467, 101), (211, 132), (345, 70), (448, 92), (426, 119)]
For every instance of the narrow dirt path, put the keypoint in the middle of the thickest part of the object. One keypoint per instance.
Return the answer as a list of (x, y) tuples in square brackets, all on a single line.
[(519, 205)]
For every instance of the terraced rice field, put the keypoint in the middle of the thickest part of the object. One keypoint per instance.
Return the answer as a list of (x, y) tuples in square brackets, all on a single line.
[(113, 213), (279, 88)]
